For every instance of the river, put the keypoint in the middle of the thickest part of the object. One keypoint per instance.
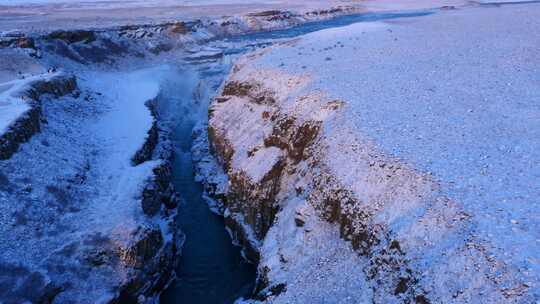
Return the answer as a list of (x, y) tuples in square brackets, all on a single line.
[(212, 269)]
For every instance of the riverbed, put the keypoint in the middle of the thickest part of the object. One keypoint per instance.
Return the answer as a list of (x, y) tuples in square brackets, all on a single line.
[(212, 269)]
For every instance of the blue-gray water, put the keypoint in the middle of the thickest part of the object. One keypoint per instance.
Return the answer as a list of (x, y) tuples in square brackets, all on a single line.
[(325, 24), (212, 270)]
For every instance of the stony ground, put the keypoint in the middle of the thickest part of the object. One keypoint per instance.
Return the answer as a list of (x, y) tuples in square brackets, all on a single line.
[(72, 198), (60, 14), (414, 139), (32, 15), (87, 207), (428, 125)]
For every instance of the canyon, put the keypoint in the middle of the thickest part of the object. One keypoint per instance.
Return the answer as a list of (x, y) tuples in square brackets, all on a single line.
[(310, 152)]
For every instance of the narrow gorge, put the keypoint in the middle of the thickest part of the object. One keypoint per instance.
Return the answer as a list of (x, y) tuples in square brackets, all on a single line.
[(276, 156)]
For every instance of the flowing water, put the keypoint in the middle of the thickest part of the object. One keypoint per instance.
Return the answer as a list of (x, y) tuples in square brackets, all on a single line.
[(212, 269)]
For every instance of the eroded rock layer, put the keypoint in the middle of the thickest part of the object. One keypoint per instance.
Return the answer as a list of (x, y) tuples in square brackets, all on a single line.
[(288, 151), (29, 123), (85, 172)]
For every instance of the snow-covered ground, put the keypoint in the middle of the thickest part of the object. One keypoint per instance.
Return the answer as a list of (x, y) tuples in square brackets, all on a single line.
[(430, 125), (462, 106), (71, 197), (13, 100), (433, 125), (36, 15), (11, 105), (316, 265), (79, 220), (121, 132)]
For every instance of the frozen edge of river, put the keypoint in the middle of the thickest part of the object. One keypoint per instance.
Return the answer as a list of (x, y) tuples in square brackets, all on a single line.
[(82, 47)]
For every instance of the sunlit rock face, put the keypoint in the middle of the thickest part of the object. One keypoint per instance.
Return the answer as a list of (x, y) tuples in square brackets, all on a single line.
[(85, 176), (273, 150), (313, 130), (386, 162), (30, 92)]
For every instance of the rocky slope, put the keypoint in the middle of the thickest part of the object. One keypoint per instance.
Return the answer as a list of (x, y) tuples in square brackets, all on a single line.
[(99, 45), (26, 123), (78, 228), (295, 140), (327, 208), (87, 206)]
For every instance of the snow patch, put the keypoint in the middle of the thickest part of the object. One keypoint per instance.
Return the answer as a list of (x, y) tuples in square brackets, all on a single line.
[(13, 101)]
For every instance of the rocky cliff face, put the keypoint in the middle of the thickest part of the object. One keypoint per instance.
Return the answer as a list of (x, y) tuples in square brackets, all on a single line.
[(66, 236), (154, 252), (288, 152), (29, 123), (85, 242), (143, 41)]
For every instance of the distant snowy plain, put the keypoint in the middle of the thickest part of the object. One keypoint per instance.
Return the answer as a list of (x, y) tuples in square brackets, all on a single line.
[(135, 2)]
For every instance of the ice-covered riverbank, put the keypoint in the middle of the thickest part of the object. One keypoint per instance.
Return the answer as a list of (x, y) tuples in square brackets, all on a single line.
[(89, 212), (344, 190), (417, 137), (77, 207)]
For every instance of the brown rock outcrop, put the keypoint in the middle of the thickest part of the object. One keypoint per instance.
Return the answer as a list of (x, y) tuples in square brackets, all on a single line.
[(256, 192), (29, 123)]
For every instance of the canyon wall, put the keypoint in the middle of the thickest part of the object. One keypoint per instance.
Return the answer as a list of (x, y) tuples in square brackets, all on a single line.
[(288, 151), (99, 218), (22, 129)]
